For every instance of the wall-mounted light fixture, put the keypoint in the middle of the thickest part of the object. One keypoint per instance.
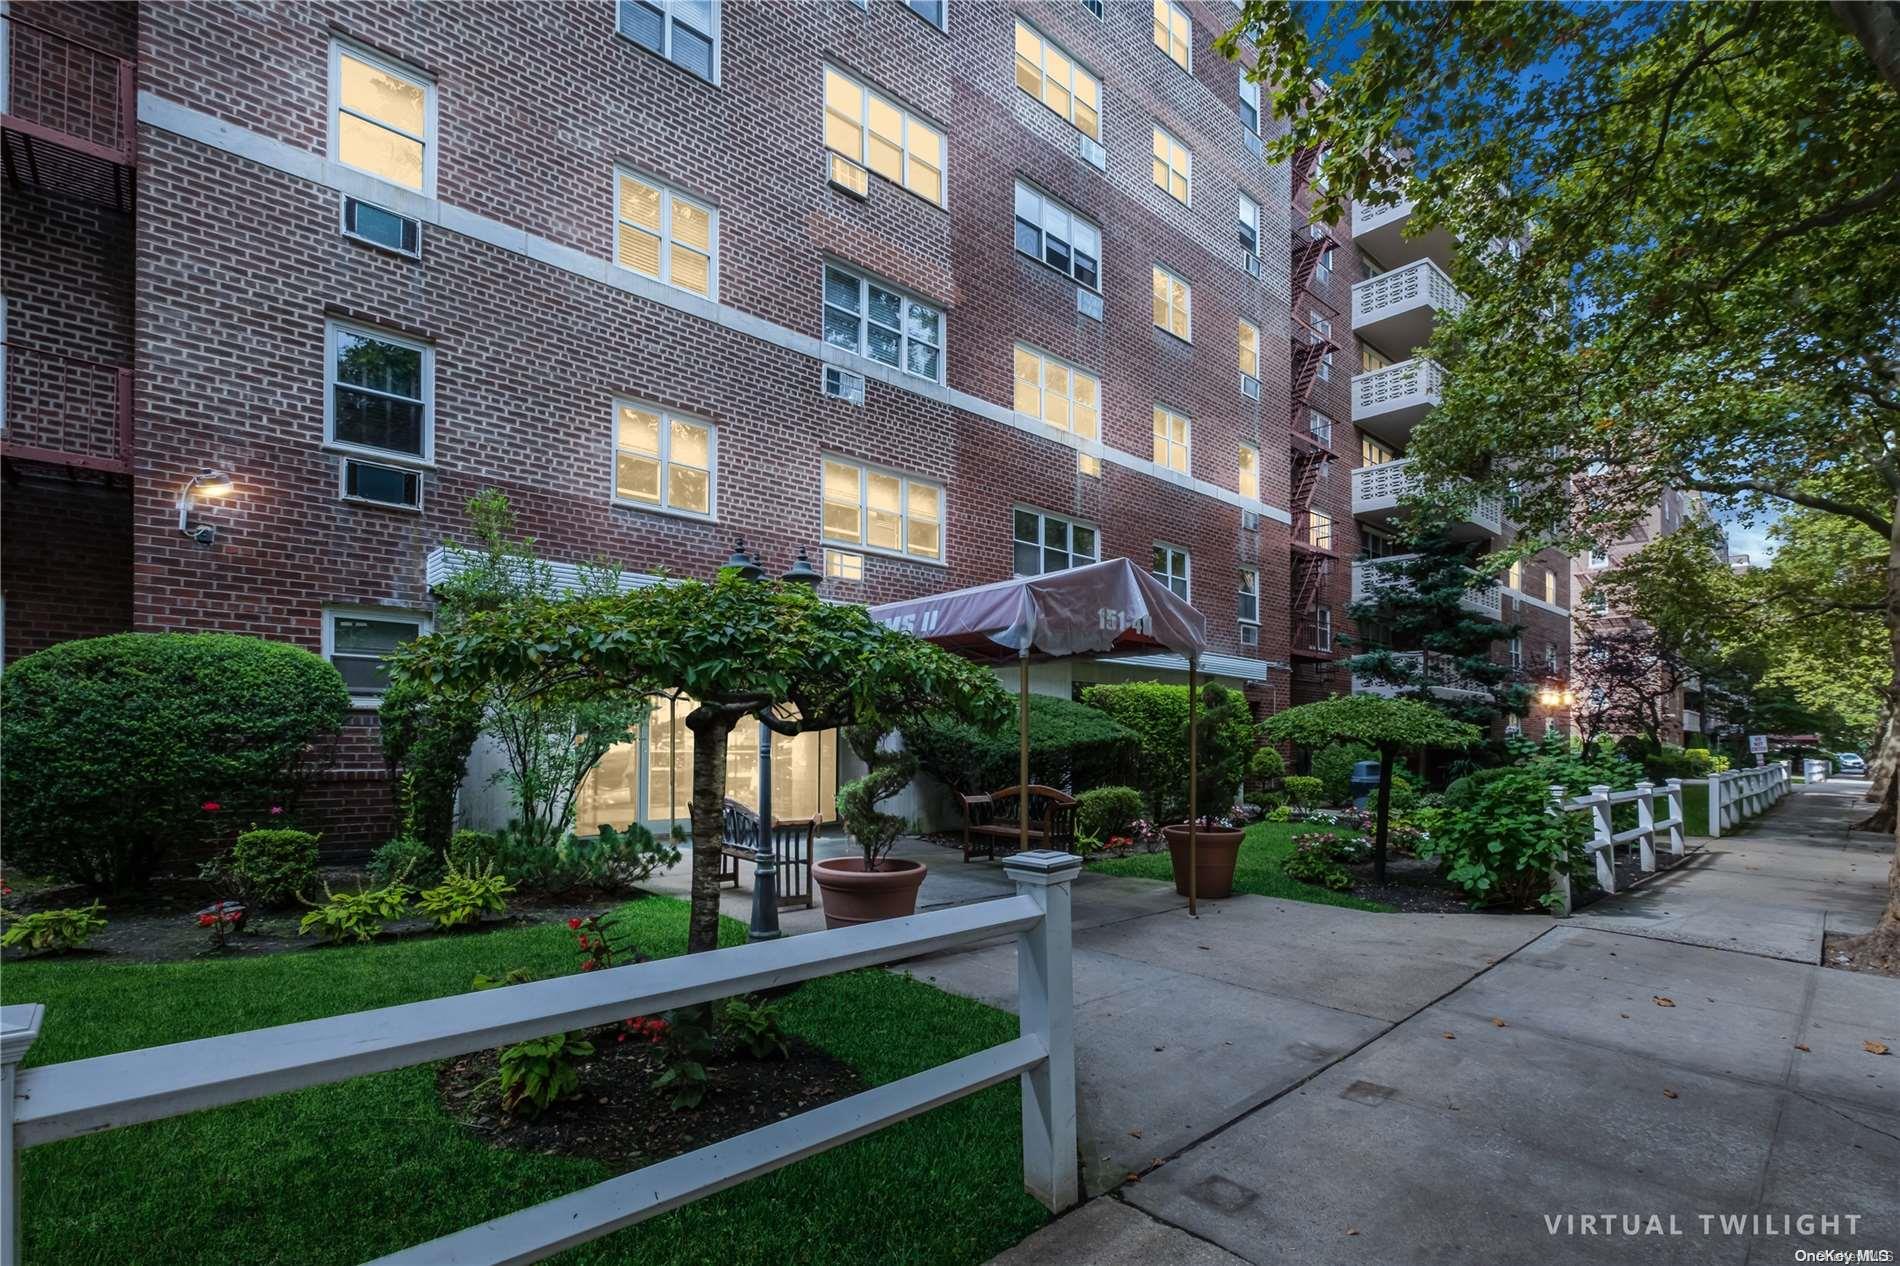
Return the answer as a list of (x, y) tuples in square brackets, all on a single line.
[(207, 483), (1552, 696)]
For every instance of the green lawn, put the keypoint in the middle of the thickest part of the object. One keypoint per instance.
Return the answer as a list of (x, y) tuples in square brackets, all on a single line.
[(348, 1172), (1267, 845)]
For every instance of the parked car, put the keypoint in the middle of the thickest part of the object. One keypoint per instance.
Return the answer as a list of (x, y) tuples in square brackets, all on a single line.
[(1849, 763)]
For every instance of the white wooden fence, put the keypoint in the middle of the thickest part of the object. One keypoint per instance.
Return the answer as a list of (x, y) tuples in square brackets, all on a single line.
[(57, 1101), (1733, 796), (1813, 770)]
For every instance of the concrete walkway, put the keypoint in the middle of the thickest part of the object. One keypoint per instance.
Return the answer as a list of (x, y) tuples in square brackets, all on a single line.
[(1281, 1082)]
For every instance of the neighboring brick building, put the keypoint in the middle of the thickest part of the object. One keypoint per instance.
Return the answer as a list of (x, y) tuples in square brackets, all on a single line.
[(863, 281)]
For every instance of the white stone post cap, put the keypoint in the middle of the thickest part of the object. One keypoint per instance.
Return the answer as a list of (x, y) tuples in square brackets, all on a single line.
[(19, 1029), (1042, 865)]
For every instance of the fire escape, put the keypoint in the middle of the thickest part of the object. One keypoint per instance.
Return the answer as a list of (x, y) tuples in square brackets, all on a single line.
[(68, 129), (1311, 446)]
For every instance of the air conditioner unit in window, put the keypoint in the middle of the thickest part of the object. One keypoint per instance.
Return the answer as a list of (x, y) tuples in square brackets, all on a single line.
[(1251, 263), (1091, 152), (842, 384), (1249, 521), (1250, 386), (1250, 635), (1088, 303), (382, 485), (367, 222), (847, 177)]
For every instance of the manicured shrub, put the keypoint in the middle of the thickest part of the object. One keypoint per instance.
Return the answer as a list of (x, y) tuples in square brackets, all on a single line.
[(1316, 860), (1157, 714), (48, 930), (1069, 746), (614, 859), (1265, 768), (404, 855), (1102, 812), (472, 849), (1501, 843), (1302, 791), (1332, 765), (273, 867), (427, 737), (122, 749)]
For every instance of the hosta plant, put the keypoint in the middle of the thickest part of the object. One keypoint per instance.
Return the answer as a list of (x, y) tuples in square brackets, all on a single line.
[(360, 915), (541, 1072), (464, 896), (48, 930), (753, 1023)]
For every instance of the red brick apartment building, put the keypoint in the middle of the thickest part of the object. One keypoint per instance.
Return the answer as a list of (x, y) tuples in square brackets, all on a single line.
[(860, 278)]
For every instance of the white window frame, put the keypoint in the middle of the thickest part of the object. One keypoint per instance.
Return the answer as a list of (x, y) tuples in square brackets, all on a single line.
[(1550, 657), (1323, 628), (1322, 328), (1075, 68), (1550, 586), (863, 545), (1187, 439), (863, 157), (1187, 570), (1249, 96), (426, 459), (343, 485), (1316, 519), (338, 49), (668, 196), (1244, 592), (1043, 519), (1242, 324), (665, 51), (1043, 206), (1187, 304), (1044, 360), (423, 622), (1599, 558), (1176, 10), (1240, 469), (1187, 175), (1516, 648), (665, 457), (865, 282), (943, 21), (844, 564), (1247, 213)]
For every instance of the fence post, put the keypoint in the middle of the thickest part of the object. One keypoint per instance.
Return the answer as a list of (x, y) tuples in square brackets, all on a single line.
[(1602, 849), (19, 1028), (1045, 1001), (1559, 876), (1715, 804), (1674, 788), (1646, 823)]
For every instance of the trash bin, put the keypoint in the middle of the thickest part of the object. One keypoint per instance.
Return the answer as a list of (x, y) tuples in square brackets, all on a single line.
[(1365, 782)]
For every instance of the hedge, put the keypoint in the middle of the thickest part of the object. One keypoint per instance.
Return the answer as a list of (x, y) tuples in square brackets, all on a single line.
[(1070, 746), (1157, 714)]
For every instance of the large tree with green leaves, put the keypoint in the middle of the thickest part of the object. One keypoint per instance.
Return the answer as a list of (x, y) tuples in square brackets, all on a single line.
[(1703, 202), (737, 648)]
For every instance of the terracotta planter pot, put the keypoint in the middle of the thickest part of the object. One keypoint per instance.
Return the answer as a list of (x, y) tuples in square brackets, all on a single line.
[(854, 895), (1215, 852)]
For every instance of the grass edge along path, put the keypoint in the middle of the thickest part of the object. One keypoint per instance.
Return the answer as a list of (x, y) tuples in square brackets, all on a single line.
[(347, 1172), (1258, 870)]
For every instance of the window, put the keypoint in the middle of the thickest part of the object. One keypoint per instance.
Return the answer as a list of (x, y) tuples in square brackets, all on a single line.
[(1599, 558), (382, 118), (1048, 231), (934, 12), (1550, 587), (882, 511), (1174, 304), (1093, 6), (1065, 397), (1371, 361), (1250, 472), (1171, 440), (379, 394), (1247, 609), (1052, 77), (863, 317), (1377, 544), (872, 132), (1319, 530), (1174, 168), (1173, 32), (1517, 654), (1373, 453), (664, 235), (1171, 569), (1323, 629), (1250, 349), (1088, 464), (663, 460), (1515, 577), (1249, 102), (1322, 333), (359, 644), (1046, 543), (1550, 658), (843, 565), (685, 32), (1320, 428), (1323, 267), (1249, 225)]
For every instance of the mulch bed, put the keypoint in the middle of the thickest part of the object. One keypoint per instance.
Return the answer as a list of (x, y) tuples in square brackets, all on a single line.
[(618, 1120), (1839, 951)]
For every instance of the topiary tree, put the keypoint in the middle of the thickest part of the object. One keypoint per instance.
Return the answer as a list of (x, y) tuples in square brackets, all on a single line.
[(1225, 729), (1388, 726), (121, 749), (887, 772), (737, 648), (1332, 765)]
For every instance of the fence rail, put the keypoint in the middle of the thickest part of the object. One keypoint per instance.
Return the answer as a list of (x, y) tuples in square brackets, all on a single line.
[(42, 1105)]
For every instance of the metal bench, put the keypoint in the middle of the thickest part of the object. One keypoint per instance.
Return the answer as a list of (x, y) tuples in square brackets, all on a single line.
[(791, 849), (992, 820)]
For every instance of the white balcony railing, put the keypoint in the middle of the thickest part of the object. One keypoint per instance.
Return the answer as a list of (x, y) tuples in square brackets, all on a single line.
[(1389, 402), (1440, 677), (1396, 310), (1378, 491), (1383, 229), (1691, 721), (1371, 575)]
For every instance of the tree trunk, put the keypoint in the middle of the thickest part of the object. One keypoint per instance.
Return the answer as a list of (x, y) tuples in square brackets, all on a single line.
[(1876, 24), (710, 732), (1385, 812), (1881, 947), (1884, 762)]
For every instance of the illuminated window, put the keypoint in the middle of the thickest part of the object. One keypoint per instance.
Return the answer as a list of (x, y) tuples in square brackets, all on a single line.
[(663, 460), (1371, 360), (1065, 397), (1319, 530), (1250, 472), (382, 118), (1373, 453), (1174, 304), (1249, 102), (1550, 587), (664, 235), (1047, 542), (1171, 439), (1171, 569), (1174, 168), (1247, 607), (1515, 578), (843, 565), (872, 320), (685, 32), (1089, 464), (1050, 232), (1250, 349), (872, 132), (1054, 78), (1173, 33), (883, 511)]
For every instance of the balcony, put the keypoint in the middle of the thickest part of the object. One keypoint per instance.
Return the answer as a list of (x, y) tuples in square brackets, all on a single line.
[(1381, 231), (1442, 679), (68, 114), (64, 411), (1373, 574), (1387, 403), (1396, 310), (1379, 492), (1691, 721)]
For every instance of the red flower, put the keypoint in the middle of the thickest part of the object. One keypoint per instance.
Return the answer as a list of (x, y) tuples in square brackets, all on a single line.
[(621, 1038), (211, 806), (276, 809), (573, 925), (588, 965), (206, 920)]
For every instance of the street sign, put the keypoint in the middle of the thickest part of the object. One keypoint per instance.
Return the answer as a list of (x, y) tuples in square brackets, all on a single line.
[(1758, 744)]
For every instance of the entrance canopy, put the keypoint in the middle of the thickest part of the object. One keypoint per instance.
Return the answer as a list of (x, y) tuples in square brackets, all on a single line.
[(1104, 608)]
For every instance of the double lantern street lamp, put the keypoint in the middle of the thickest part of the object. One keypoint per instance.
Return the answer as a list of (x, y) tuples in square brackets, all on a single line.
[(765, 856)]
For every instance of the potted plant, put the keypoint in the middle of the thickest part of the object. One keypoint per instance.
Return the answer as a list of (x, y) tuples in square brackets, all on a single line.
[(1226, 744), (874, 885)]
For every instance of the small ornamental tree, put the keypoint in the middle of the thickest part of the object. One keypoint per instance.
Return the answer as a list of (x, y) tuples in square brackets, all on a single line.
[(737, 648), (1388, 726)]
